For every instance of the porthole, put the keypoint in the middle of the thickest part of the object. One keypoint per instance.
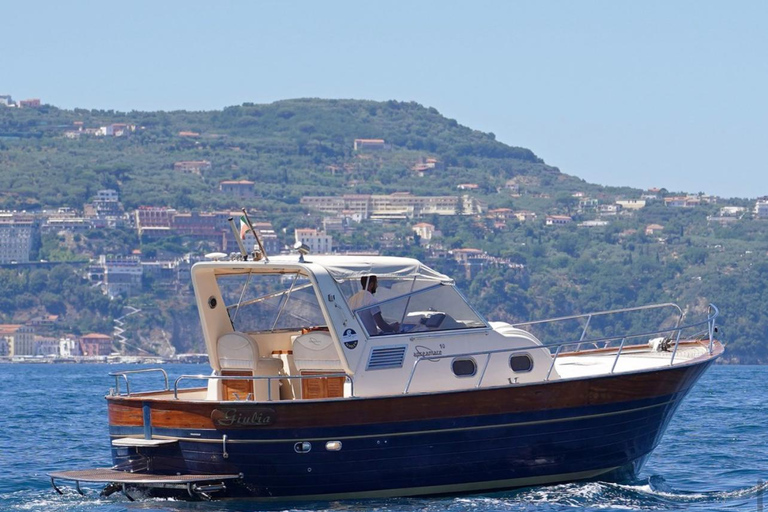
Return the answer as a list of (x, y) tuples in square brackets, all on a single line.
[(212, 302), (464, 367), (521, 363)]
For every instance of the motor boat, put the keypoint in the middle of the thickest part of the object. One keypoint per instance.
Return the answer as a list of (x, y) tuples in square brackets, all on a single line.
[(309, 400)]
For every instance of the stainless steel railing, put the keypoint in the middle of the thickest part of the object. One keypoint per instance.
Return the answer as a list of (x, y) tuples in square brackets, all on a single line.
[(669, 332), (124, 375)]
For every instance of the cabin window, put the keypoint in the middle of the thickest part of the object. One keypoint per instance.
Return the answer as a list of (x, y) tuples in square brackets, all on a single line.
[(464, 367), (417, 305), (269, 302), (521, 363)]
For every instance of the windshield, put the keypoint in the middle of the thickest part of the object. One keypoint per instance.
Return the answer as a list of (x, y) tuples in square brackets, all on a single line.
[(415, 304), (270, 302)]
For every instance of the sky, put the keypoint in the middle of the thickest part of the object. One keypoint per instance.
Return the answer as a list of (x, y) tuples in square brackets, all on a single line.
[(646, 94)]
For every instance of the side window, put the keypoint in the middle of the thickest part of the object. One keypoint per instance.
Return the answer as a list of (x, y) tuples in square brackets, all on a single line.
[(521, 363), (464, 367)]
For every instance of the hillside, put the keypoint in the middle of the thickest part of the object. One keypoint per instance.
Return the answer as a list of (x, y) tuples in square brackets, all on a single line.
[(51, 158)]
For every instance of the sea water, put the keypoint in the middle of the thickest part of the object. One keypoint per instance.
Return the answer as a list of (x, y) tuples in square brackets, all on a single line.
[(714, 455)]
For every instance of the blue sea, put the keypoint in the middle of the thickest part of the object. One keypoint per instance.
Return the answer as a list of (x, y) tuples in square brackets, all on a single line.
[(714, 455)]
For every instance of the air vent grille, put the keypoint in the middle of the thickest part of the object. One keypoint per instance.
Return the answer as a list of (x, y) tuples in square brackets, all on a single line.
[(384, 358)]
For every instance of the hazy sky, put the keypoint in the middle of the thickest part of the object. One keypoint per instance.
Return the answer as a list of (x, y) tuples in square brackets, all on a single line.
[(647, 93)]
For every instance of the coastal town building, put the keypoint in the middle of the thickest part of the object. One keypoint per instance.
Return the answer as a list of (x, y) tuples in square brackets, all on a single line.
[(46, 346), (16, 233), (19, 340), (424, 230), (732, 211), (587, 204), (401, 205), (95, 344), (318, 242), (237, 188), (427, 165), (370, 145), (502, 214), (512, 187), (64, 219), (593, 223), (150, 219), (682, 201), (525, 216), (192, 166), (105, 207), (653, 229), (761, 209), (558, 220), (267, 235), (30, 103), (121, 274), (608, 209), (631, 204), (69, 347)]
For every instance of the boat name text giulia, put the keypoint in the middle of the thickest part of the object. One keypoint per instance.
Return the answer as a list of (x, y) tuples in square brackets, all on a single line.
[(243, 417)]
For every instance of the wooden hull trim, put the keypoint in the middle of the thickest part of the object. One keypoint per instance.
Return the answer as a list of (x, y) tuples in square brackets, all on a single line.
[(413, 433)]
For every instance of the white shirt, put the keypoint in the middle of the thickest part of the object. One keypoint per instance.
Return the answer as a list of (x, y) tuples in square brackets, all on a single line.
[(362, 299)]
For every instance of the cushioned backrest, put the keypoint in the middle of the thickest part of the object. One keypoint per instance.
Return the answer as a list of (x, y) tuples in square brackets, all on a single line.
[(315, 350), (237, 351)]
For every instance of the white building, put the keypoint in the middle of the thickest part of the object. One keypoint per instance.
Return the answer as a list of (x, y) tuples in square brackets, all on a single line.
[(15, 238), (558, 220), (122, 274), (761, 209), (732, 211), (425, 230), (46, 346), (318, 242), (631, 204), (69, 347)]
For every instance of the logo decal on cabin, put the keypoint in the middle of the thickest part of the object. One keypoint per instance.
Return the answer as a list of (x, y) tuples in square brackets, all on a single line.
[(243, 417), (426, 352), (349, 338)]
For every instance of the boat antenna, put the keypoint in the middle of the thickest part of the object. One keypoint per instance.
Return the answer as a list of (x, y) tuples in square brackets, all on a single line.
[(237, 238), (258, 240)]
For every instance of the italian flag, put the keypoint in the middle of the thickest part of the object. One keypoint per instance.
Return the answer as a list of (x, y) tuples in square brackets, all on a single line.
[(243, 227)]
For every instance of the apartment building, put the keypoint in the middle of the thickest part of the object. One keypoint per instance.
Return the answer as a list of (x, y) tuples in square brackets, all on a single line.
[(16, 232)]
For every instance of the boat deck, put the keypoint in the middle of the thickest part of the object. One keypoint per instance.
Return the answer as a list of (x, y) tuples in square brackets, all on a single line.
[(597, 362)]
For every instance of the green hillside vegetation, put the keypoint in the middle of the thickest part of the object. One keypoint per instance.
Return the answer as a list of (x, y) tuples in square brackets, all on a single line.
[(305, 147)]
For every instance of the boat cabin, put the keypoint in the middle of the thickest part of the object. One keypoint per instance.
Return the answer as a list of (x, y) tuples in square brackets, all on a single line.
[(289, 329)]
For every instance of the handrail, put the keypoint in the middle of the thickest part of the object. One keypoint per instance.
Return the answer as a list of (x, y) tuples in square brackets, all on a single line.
[(607, 312), (712, 314), (124, 375), (268, 378)]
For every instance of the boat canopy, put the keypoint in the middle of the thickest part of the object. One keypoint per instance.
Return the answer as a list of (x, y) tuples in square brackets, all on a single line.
[(344, 268)]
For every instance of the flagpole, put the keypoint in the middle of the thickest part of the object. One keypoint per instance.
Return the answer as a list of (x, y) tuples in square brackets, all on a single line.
[(237, 238), (256, 235)]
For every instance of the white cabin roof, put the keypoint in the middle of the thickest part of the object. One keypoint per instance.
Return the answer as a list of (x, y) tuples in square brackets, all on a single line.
[(342, 268)]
